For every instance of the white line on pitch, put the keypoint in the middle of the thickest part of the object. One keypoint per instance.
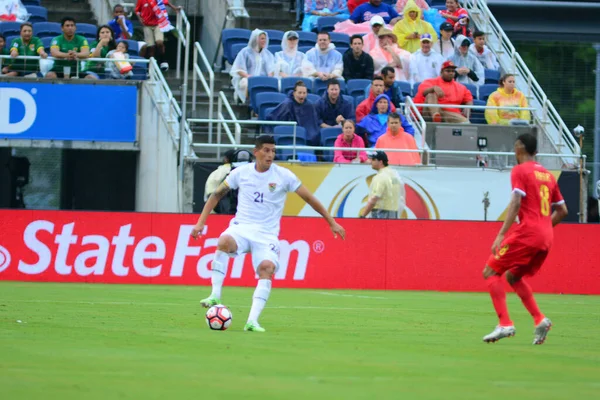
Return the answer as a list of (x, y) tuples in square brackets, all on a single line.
[(351, 295)]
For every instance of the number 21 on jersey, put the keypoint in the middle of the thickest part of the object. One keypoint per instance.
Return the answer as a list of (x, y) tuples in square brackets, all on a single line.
[(258, 197), (545, 200)]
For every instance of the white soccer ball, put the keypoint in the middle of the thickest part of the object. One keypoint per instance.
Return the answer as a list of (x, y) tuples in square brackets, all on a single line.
[(218, 318)]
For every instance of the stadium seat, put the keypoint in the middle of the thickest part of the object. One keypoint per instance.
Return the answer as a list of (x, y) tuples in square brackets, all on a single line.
[(9, 40), (229, 37), (330, 133), (320, 86), (306, 38), (288, 140), (266, 100), (46, 29), (406, 88), (133, 46), (492, 76), (274, 48), (268, 111), (340, 39), (10, 28), (350, 100), (88, 31), (356, 87), (478, 114), (235, 49), (288, 130), (46, 41), (439, 7), (472, 88), (486, 90), (415, 88), (304, 49), (358, 100), (38, 14), (28, 3), (327, 24), (275, 36), (342, 49), (327, 142), (259, 84), (312, 98), (140, 70), (288, 83)]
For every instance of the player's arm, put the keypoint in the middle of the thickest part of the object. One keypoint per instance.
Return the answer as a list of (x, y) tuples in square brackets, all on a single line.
[(511, 214), (210, 205), (370, 204), (559, 213), (316, 205)]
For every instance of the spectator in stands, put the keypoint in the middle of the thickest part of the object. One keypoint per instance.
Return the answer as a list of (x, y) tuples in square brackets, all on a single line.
[(366, 11), (218, 176), (506, 96), (253, 60), (349, 139), (4, 63), (121, 26), (375, 123), (67, 49), (313, 9), (103, 44), (332, 108), (400, 4), (364, 108), (352, 4), (371, 40), (445, 44), (357, 63), (425, 63), (296, 108), (324, 61), (155, 19), (288, 62), (469, 69), (25, 45), (391, 86), (410, 29), (115, 70), (462, 27), (387, 193), (388, 54), (482, 52), (396, 138), (446, 91), (453, 12)]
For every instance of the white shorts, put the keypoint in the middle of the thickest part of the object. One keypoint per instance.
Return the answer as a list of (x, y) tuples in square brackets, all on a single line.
[(264, 247)]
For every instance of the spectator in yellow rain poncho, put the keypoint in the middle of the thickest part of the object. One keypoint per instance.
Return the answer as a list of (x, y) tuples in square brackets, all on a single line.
[(411, 27), (506, 96)]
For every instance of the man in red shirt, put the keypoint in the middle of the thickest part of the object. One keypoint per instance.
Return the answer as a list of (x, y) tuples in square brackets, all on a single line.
[(153, 16), (523, 251), (365, 106), (445, 90)]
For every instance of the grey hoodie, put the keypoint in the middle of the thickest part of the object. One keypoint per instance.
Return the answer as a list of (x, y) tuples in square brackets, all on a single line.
[(470, 61)]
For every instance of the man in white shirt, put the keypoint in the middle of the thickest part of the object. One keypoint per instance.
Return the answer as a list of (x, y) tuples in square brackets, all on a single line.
[(425, 63), (262, 189)]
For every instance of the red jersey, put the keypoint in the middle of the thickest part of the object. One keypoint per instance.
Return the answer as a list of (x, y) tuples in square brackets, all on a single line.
[(539, 192), (144, 9)]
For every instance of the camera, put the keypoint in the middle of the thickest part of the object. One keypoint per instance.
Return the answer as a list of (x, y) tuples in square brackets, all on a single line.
[(579, 131)]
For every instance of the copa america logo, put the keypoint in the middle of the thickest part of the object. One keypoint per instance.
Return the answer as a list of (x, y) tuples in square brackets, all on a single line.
[(4, 258)]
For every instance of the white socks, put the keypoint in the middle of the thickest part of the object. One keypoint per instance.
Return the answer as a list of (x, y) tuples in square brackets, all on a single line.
[(261, 295), (219, 270)]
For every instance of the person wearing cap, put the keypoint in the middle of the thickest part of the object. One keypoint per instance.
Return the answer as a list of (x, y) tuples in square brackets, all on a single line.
[(288, 62), (468, 67), (396, 138), (388, 54), (445, 44), (425, 63), (366, 11), (411, 28), (357, 63), (217, 176), (444, 90), (314, 9), (323, 61), (387, 195), (371, 40)]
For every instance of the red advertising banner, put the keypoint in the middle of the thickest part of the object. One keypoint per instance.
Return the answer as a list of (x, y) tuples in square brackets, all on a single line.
[(151, 248)]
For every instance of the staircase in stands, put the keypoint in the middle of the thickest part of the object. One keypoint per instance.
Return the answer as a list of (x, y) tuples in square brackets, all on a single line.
[(80, 10)]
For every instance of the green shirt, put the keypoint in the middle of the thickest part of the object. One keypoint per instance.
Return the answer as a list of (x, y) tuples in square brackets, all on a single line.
[(96, 66), (4, 62), (33, 48), (77, 44)]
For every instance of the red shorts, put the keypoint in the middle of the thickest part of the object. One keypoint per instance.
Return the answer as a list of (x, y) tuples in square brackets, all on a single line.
[(518, 258)]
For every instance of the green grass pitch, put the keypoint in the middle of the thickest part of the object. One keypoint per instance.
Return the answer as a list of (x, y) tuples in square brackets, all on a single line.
[(151, 342)]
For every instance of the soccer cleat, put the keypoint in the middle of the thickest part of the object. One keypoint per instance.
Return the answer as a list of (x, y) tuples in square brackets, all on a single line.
[(500, 333), (541, 331), (209, 302), (253, 327)]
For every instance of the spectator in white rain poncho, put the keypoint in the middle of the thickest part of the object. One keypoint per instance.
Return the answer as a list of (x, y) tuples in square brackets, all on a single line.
[(468, 67), (253, 60), (323, 61), (289, 61)]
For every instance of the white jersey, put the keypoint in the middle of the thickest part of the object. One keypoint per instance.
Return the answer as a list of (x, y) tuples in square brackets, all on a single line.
[(261, 196)]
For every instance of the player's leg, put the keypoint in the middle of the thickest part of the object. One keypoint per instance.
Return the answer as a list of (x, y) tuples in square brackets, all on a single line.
[(226, 246), (505, 327), (266, 270)]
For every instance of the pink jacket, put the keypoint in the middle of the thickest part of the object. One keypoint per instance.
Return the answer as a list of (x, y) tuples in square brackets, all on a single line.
[(341, 156)]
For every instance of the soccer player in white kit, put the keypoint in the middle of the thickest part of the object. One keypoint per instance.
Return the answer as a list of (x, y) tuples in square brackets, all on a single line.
[(262, 189)]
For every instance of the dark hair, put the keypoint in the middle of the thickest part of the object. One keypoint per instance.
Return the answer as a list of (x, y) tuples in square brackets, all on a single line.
[(264, 139), (67, 19), (118, 5), (377, 78), (111, 43), (349, 121), (332, 82), (24, 24), (2, 37), (394, 115), (503, 79), (477, 34), (299, 84), (356, 37), (324, 33), (125, 43), (386, 70), (530, 143)]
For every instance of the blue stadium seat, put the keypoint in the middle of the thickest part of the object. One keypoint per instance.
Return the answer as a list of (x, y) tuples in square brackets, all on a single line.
[(275, 36), (327, 142), (306, 38), (478, 114), (327, 24), (288, 130), (288, 140), (46, 29), (330, 133), (312, 98), (342, 49), (274, 48), (88, 31), (439, 7), (492, 76), (320, 86), (233, 36), (356, 87), (415, 88), (406, 88), (46, 41), (267, 111), (133, 46), (10, 28), (235, 49), (9, 40), (28, 3), (304, 49), (486, 90), (38, 14), (140, 70), (350, 100), (288, 83), (340, 39), (472, 88), (266, 100), (358, 100), (259, 84)]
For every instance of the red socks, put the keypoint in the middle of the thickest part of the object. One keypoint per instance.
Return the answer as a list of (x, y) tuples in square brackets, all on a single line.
[(498, 295), (524, 291)]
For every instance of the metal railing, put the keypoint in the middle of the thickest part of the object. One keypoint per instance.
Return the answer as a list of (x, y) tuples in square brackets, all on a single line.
[(414, 117), (545, 115), (209, 86)]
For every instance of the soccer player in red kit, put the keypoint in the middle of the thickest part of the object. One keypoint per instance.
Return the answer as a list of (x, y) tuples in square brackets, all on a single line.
[(522, 252)]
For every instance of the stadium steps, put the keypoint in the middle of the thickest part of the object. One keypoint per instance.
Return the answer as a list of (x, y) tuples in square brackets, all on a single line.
[(265, 14), (79, 10)]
